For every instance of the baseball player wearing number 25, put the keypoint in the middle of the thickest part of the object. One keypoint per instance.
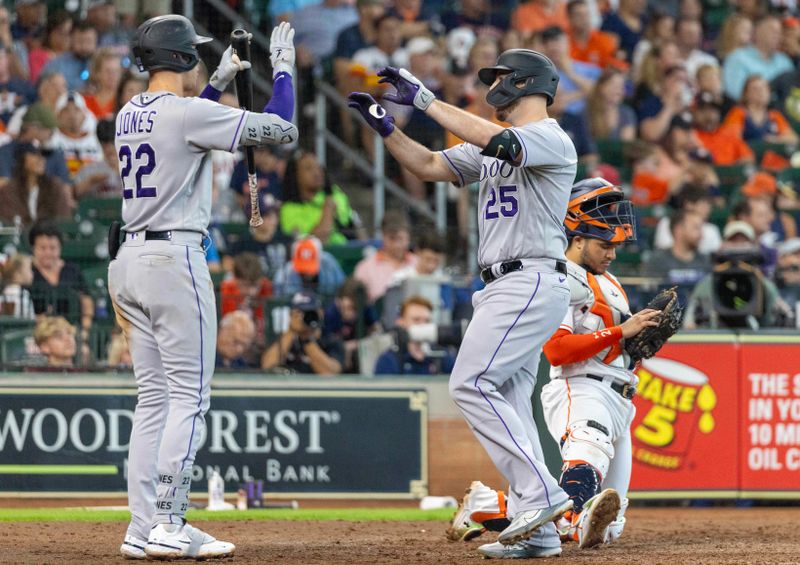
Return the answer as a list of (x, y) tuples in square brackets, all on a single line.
[(158, 276), (525, 174), (588, 403)]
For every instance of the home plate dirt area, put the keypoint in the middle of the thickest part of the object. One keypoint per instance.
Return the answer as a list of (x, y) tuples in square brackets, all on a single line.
[(673, 536)]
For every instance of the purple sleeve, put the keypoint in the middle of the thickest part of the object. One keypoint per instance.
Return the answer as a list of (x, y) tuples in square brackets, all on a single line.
[(210, 93), (282, 101)]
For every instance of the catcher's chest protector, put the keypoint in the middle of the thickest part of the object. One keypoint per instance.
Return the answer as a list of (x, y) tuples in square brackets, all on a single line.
[(604, 305)]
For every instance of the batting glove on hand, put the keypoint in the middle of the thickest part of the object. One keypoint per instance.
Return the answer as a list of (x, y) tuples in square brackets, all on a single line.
[(410, 90), (229, 65), (374, 114), (281, 49)]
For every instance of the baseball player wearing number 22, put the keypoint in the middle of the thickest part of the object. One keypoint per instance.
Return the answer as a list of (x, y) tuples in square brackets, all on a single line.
[(525, 174), (158, 276)]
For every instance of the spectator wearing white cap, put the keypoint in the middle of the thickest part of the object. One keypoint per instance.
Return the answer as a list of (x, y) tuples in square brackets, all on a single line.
[(76, 135), (741, 251)]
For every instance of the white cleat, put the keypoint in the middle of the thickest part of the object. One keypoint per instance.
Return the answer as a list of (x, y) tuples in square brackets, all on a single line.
[(133, 548), (520, 550), (525, 523), (173, 541), (598, 512)]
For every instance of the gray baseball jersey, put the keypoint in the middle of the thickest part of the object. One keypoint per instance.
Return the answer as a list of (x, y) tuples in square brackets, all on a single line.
[(522, 208), (162, 141)]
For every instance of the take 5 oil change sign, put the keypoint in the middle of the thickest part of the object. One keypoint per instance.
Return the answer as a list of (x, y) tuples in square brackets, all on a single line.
[(684, 436)]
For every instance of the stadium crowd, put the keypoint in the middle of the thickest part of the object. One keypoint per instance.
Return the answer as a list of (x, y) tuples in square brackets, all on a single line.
[(693, 106)]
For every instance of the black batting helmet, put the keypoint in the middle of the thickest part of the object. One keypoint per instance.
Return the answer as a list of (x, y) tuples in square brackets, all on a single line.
[(536, 70), (597, 209), (167, 43)]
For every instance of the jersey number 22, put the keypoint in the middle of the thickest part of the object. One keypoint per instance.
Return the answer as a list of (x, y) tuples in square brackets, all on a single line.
[(145, 158)]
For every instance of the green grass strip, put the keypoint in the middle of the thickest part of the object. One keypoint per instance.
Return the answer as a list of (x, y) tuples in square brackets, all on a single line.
[(59, 470), (301, 514)]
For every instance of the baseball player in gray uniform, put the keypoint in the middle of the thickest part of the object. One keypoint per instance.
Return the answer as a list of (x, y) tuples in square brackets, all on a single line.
[(158, 277), (525, 174)]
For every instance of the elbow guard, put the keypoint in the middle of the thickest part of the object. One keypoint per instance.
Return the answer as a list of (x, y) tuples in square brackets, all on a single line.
[(267, 129), (505, 146)]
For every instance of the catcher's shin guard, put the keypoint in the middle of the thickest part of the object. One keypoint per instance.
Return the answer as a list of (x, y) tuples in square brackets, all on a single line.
[(581, 482)]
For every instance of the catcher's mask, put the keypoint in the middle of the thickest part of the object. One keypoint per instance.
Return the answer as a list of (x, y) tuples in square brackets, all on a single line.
[(597, 209)]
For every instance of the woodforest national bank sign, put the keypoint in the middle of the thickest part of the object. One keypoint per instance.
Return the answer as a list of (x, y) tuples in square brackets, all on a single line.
[(307, 443)]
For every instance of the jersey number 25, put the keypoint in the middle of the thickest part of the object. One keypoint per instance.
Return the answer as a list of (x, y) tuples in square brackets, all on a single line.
[(508, 203), (145, 157)]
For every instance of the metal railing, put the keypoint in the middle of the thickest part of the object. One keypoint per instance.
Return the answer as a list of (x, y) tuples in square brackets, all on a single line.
[(328, 97)]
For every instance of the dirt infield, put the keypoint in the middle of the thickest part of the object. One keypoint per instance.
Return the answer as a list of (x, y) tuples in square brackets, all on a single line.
[(674, 536)]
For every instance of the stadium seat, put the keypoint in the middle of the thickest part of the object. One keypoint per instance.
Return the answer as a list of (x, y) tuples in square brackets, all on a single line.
[(348, 256), (731, 178), (100, 209), (761, 147), (611, 151)]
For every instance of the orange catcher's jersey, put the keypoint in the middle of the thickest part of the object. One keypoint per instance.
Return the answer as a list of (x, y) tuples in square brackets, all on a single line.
[(597, 303)]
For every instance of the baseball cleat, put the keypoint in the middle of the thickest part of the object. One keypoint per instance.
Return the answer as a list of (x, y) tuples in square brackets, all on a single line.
[(462, 528), (525, 523), (520, 550), (598, 512), (173, 541), (133, 548)]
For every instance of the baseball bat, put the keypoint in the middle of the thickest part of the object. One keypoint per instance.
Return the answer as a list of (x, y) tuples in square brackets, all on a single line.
[(240, 41)]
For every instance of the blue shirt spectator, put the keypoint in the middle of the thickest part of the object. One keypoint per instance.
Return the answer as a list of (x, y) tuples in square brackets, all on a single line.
[(762, 58), (396, 363), (318, 26), (628, 38), (74, 65), (575, 127), (409, 356), (311, 268), (284, 8)]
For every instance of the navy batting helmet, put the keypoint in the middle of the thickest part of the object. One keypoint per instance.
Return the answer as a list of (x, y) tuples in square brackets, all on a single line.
[(597, 209), (536, 70), (167, 43)]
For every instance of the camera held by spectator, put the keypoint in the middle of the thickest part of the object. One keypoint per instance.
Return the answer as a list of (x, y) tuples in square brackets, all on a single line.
[(302, 348), (412, 353), (736, 294)]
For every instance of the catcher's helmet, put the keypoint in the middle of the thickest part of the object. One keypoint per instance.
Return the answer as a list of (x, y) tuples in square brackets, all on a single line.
[(167, 43), (538, 72), (597, 209)]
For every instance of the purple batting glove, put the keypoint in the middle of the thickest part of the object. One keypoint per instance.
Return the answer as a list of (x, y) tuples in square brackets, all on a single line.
[(372, 112), (410, 90)]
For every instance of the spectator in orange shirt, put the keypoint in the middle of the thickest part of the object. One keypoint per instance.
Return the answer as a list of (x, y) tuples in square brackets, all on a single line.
[(726, 148), (753, 120), (105, 74), (247, 290), (590, 45), (536, 15)]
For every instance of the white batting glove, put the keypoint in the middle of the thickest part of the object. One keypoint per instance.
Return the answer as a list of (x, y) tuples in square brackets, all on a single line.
[(281, 49), (229, 65)]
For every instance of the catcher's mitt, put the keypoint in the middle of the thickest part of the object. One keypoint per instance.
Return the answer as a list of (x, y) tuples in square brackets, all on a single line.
[(647, 342)]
